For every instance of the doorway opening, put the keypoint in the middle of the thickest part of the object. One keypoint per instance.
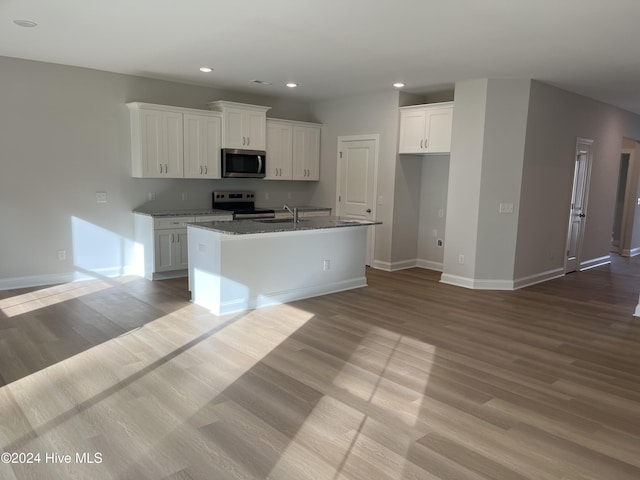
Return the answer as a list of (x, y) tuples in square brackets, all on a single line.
[(625, 232)]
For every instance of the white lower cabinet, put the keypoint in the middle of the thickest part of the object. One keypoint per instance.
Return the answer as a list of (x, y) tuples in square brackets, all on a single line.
[(163, 244), (171, 250)]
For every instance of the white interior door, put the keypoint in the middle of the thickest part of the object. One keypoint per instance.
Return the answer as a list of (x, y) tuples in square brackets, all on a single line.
[(356, 182), (578, 208)]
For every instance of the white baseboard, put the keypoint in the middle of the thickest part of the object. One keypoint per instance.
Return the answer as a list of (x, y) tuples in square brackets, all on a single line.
[(67, 277), (404, 264), (394, 266), (537, 278), (484, 284), (595, 262), (476, 284), (429, 265), (35, 281), (630, 253), (637, 312)]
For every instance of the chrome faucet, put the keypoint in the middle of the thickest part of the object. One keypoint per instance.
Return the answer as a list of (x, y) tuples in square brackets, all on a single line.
[(293, 212)]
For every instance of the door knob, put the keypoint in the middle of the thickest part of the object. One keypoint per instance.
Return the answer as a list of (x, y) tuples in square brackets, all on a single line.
[(582, 215), (368, 210)]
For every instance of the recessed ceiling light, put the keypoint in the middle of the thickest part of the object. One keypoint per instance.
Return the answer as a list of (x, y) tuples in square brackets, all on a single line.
[(292, 85), (399, 84), (261, 82), (25, 23), (206, 69)]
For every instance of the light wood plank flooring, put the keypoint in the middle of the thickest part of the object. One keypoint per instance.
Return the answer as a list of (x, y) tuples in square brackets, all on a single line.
[(405, 379)]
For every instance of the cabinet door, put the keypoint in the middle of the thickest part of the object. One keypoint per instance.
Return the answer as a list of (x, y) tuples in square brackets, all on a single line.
[(438, 134), (412, 131), (181, 250), (233, 129), (164, 250), (279, 146), (202, 143), (255, 129), (160, 144), (306, 153)]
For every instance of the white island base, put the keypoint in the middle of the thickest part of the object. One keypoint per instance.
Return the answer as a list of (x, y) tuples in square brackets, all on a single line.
[(231, 273)]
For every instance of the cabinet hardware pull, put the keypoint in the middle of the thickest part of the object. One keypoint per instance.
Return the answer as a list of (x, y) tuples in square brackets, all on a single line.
[(425, 142), (248, 141), (206, 169), (172, 238), (421, 143)]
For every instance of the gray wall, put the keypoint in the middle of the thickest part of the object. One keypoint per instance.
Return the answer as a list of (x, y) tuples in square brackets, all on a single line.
[(465, 170), (64, 133), (556, 119), (504, 142), (433, 197), (364, 114)]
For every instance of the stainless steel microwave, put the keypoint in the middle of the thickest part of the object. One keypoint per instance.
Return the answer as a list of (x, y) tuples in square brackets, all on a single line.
[(243, 163)]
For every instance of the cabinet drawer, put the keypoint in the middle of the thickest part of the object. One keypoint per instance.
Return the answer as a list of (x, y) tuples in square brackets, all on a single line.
[(163, 223), (214, 218)]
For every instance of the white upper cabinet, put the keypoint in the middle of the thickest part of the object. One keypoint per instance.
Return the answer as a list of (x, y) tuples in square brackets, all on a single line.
[(306, 152), (156, 141), (293, 150), (426, 128), (173, 142), (202, 143), (279, 150), (244, 126)]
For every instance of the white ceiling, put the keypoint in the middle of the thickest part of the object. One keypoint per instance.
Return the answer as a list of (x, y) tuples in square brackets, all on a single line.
[(335, 48)]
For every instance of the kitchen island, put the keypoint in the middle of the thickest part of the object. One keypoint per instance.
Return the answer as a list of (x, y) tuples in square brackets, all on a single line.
[(246, 264)]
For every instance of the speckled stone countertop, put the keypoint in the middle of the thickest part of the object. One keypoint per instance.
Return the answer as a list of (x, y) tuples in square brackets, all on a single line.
[(248, 227), (181, 213)]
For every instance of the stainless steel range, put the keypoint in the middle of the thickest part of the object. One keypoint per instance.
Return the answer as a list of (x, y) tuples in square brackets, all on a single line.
[(242, 204)]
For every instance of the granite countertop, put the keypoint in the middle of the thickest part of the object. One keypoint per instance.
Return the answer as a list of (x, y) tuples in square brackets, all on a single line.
[(181, 213), (248, 227)]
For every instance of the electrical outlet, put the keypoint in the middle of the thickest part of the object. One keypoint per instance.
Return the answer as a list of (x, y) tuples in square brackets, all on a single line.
[(289, 195), (461, 259), (62, 255), (266, 196), (184, 196), (326, 265), (152, 196), (101, 197), (440, 242), (441, 213)]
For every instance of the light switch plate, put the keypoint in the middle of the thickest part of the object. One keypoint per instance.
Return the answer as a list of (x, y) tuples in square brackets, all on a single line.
[(101, 197), (506, 208)]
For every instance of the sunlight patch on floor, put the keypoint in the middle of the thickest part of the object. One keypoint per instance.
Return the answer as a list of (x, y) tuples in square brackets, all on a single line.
[(377, 373), (29, 302), (154, 383)]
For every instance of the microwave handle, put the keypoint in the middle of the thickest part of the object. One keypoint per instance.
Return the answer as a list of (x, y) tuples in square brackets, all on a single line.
[(259, 163)]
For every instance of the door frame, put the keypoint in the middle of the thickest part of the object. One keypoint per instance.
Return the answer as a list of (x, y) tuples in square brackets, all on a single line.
[(587, 182), (375, 137)]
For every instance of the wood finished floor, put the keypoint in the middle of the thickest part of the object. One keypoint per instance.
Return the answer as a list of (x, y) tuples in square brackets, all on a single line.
[(405, 379)]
